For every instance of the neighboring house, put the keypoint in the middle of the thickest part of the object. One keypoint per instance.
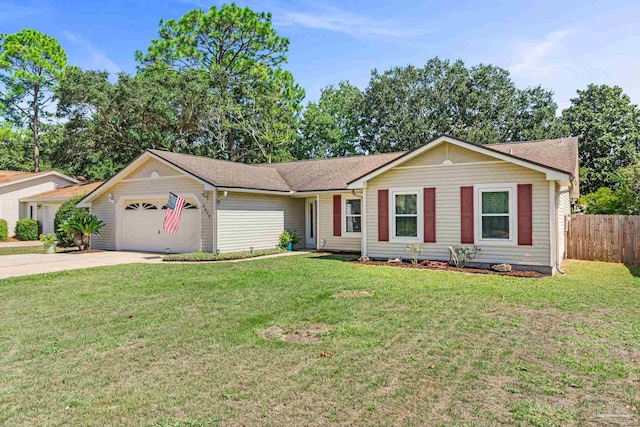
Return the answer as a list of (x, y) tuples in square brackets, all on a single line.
[(15, 186), (509, 199), (44, 206)]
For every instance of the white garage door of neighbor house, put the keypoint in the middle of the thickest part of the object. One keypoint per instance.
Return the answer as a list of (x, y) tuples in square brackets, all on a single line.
[(142, 228)]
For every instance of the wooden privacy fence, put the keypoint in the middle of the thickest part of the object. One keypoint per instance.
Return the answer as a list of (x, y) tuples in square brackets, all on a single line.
[(612, 238)]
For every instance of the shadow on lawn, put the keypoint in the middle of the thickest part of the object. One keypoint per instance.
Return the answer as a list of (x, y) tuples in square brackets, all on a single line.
[(633, 269), (325, 256)]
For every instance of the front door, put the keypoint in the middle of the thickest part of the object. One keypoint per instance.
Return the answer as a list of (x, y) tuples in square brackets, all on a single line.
[(311, 225)]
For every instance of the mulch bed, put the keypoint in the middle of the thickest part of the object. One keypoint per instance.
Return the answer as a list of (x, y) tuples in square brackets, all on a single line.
[(445, 266)]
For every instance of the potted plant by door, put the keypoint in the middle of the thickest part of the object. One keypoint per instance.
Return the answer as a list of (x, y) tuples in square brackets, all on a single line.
[(288, 238), (49, 243)]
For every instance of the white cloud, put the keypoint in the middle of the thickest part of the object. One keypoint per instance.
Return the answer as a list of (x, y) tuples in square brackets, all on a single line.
[(536, 59), (570, 59), (90, 57), (343, 22)]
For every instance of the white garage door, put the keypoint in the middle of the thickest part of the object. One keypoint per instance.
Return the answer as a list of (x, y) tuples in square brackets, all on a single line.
[(142, 228)]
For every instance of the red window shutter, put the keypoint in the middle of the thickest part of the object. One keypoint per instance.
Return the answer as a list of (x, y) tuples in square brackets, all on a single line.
[(429, 201), (466, 215), (525, 215), (383, 215), (337, 215)]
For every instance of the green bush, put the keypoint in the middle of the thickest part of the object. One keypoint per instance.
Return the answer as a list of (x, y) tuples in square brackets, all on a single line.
[(27, 229), (210, 256), (289, 236), (4, 230), (66, 212)]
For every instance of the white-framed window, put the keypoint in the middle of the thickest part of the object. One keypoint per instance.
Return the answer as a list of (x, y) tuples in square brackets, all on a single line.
[(495, 221), (406, 214), (352, 215)]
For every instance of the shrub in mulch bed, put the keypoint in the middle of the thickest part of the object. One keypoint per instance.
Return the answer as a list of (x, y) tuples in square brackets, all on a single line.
[(445, 266)]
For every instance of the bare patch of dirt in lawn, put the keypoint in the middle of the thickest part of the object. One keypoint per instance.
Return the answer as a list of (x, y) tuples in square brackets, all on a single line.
[(310, 334), (353, 294)]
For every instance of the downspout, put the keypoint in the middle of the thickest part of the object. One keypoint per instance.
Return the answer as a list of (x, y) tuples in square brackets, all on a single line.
[(558, 260)]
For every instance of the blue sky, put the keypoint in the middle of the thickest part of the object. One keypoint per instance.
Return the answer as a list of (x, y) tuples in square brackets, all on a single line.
[(562, 45)]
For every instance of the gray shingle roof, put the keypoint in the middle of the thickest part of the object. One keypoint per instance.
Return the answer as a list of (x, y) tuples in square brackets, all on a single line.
[(336, 173), (561, 153), (221, 173)]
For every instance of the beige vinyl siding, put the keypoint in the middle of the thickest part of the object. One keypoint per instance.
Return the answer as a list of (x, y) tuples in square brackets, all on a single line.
[(344, 243), (447, 180), (10, 207), (446, 151), (564, 211), (140, 189), (247, 220), (151, 165)]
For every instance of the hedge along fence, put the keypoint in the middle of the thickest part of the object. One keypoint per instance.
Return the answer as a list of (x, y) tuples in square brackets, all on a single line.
[(612, 238), (4, 230)]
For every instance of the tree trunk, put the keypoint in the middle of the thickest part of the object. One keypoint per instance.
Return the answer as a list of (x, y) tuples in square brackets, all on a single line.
[(78, 240), (35, 128), (231, 146), (86, 241)]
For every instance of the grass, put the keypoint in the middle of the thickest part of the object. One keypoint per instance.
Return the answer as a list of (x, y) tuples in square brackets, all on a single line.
[(178, 345), (18, 250), (208, 256), (21, 250)]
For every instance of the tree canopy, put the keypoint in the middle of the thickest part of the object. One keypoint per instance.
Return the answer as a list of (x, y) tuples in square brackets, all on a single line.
[(111, 123), (608, 127), (242, 53), (406, 106), (331, 126), (30, 65)]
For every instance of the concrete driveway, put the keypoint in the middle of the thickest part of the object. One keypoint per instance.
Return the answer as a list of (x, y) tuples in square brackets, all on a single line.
[(25, 265)]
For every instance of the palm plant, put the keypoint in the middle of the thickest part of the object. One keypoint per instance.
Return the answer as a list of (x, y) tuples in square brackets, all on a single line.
[(82, 227)]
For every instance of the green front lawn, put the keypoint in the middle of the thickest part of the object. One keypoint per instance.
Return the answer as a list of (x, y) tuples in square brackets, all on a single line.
[(21, 250), (181, 345)]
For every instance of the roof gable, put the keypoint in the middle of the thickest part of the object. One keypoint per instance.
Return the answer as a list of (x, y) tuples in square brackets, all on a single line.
[(529, 157)]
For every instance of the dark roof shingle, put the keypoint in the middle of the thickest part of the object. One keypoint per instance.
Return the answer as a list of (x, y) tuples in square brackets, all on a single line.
[(560, 153)]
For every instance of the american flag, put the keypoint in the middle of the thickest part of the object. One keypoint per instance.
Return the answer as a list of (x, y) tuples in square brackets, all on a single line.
[(175, 205)]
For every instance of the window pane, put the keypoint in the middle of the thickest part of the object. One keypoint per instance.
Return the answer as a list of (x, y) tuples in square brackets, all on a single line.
[(495, 227), (495, 202), (407, 204), (407, 226), (353, 207), (354, 224)]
